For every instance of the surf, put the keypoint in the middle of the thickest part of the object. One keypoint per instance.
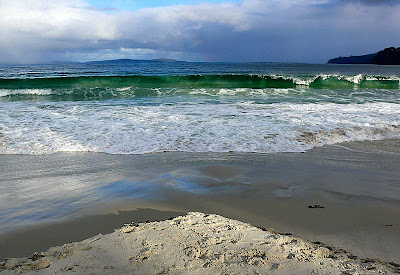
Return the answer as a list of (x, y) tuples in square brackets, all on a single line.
[(204, 81)]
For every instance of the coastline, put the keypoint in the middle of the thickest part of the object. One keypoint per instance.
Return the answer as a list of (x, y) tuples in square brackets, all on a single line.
[(356, 183), (196, 243)]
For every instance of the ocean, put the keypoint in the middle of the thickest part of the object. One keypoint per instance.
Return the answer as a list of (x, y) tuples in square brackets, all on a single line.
[(85, 148), (147, 107)]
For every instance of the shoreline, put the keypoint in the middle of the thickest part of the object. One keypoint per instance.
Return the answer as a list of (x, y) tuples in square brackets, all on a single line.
[(357, 187), (197, 242)]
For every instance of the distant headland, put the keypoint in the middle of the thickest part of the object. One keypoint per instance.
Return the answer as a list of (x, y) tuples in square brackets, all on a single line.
[(125, 61), (388, 56), (106, 62)]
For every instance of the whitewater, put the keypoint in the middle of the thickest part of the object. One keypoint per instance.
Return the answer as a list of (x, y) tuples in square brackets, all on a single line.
[(194, 107)]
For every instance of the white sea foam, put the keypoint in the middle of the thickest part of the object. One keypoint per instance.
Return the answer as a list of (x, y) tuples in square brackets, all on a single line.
[(194, 126), (123, 89), (356, 79), (8, 92)]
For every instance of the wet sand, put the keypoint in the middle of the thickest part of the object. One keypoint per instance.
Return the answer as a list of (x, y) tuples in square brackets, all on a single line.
[(357, 186), (32, 239)]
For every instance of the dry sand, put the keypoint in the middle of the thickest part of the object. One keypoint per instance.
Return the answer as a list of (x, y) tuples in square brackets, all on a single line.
[(195, 244)]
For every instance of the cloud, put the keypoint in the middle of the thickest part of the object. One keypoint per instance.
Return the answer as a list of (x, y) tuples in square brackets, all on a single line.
[(251, 30), (377, 2)]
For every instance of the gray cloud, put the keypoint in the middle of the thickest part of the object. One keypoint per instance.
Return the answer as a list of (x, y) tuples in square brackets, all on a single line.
[(252, 30), (377, 2)]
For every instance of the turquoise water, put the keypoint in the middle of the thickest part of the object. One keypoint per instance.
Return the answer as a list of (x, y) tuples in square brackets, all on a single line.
[(148, 107)]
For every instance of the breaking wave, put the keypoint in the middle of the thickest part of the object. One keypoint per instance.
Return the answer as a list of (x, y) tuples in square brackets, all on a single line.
[(195, 113), (39, 128), (125, 85)]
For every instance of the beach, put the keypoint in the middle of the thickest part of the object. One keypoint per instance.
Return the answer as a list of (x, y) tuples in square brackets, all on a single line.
[(196, 244), (199, 137), (344, 196), (309, 151)]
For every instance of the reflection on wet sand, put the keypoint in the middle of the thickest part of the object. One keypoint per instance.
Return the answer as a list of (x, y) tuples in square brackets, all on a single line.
[(344, 195)]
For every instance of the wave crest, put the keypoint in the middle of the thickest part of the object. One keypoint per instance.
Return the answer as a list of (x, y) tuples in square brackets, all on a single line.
[(204, 81)]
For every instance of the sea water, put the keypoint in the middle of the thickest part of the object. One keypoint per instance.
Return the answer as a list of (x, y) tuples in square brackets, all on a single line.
[(75, 138), (146, 107)]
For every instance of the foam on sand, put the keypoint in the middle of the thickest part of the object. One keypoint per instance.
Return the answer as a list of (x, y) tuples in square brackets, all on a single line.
[(196, 243)]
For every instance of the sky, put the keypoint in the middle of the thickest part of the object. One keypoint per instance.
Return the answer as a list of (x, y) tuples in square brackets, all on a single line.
[(310, 31)]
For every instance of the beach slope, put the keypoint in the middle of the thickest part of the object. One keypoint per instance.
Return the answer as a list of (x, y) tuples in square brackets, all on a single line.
[(196, 244)]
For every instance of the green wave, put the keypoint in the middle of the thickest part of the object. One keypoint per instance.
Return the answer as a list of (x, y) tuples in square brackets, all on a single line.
[(190, 81), (334, 82), (202, 81), (113, 87)]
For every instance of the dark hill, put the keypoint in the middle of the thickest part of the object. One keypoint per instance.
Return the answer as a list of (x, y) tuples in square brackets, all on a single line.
[(361, 59), (388, 56), (165, 60), (129, 61)]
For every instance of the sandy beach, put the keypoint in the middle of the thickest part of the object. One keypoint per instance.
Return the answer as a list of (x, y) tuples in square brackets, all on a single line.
[(200, 137), (196, 243), (344, 196)]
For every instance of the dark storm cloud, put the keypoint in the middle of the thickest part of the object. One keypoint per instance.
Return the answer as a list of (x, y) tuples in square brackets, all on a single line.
[(252, 30)]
